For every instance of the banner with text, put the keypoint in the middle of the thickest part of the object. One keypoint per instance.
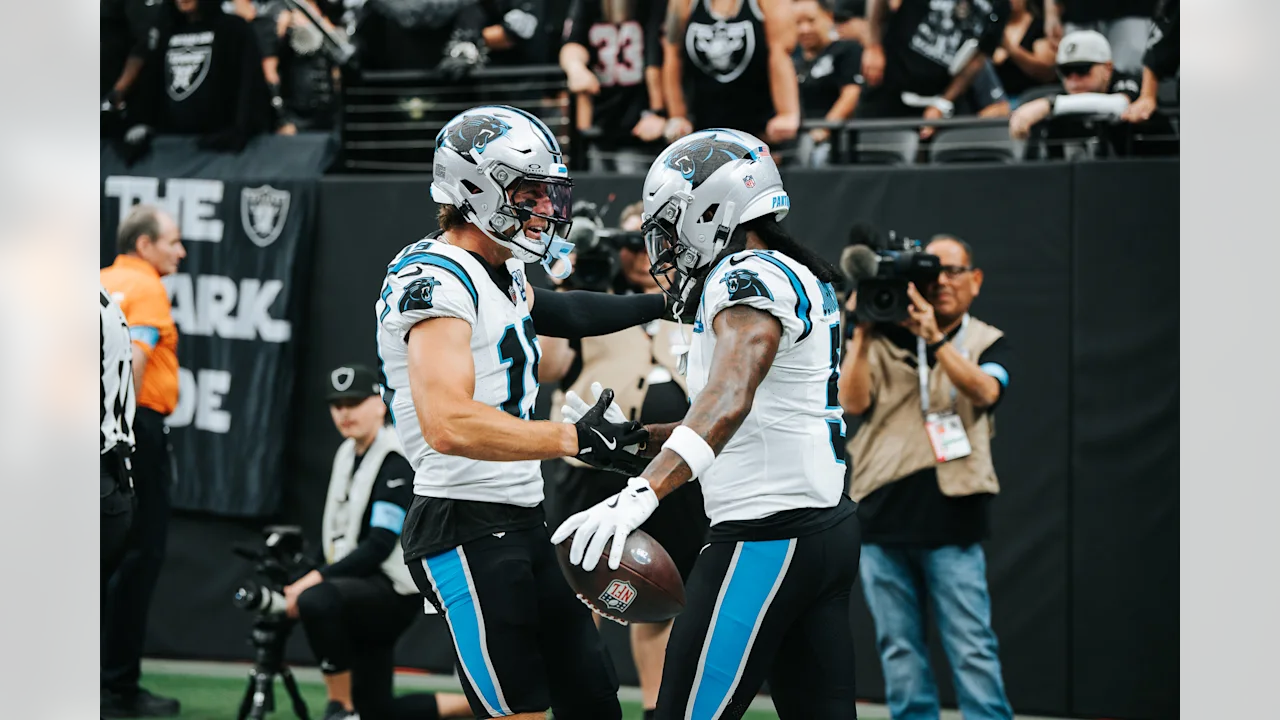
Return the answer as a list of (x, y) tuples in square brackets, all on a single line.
[(236, 301)]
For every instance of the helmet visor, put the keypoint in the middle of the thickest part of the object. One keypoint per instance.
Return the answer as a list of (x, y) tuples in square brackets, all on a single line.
[(542, 205)]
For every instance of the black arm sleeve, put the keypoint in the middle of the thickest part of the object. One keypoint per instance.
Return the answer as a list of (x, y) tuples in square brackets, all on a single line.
[(579, 313), (394, 486)]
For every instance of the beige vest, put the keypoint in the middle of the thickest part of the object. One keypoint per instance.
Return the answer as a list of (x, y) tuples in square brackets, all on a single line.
[(892, 442), (623, 361), (349, 495)]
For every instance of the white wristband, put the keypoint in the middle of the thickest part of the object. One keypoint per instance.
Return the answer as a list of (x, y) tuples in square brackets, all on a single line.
[(690, 446)]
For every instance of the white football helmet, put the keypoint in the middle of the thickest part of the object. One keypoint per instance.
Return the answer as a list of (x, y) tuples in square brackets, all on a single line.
[(502, 167), (696, 194)]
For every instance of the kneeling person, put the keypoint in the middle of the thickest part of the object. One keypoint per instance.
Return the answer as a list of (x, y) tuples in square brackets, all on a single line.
[(357, 605)]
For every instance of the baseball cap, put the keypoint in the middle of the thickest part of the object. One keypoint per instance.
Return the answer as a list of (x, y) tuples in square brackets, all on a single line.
[(1084, 46), (352, 382)]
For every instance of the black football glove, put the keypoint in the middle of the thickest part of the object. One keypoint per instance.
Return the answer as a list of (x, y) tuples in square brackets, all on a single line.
[(606, 439)]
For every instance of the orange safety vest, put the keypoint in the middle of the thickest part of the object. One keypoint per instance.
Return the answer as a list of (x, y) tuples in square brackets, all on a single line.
[(135, 286)]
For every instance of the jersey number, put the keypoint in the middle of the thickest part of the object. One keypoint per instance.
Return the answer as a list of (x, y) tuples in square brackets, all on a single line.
[(835, 427), (619, 53), (511, 351)]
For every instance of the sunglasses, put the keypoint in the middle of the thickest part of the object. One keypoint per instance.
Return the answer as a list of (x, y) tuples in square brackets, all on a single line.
[(1071, 69)]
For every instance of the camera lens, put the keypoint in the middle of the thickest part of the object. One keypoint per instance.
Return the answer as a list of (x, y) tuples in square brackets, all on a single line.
[(883, 299)]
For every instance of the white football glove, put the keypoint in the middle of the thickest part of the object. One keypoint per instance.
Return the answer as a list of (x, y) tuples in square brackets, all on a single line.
[(575, 407), (613, 518)]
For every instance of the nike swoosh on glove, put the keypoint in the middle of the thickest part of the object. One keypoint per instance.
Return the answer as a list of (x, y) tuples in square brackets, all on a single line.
[(614, 518), (604, 442)]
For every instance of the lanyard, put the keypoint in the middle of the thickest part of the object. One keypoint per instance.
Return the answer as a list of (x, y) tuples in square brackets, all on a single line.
[(922, 366)]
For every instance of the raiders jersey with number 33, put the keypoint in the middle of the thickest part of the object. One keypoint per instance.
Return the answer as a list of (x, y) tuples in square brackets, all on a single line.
[(785, 454), (432, 279)]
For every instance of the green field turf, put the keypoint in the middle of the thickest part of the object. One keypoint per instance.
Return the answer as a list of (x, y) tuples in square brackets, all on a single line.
[(218, 698)]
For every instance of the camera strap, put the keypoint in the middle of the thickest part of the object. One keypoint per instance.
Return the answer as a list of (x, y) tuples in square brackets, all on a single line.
[(922, 365)]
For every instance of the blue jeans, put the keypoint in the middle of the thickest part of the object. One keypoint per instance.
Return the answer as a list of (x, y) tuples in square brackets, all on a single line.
[(897, 582)]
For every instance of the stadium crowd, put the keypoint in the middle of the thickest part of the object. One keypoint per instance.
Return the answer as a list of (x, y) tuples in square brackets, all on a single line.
[(645, 72)]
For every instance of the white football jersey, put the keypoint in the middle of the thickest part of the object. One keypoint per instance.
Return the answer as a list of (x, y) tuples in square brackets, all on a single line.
[(784, 456), (431, 279)]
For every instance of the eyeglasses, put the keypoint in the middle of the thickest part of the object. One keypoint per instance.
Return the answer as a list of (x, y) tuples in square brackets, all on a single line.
[(1075, 69)]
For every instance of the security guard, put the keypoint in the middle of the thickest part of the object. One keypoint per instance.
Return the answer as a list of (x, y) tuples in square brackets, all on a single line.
[(357, 604), (150, 247)]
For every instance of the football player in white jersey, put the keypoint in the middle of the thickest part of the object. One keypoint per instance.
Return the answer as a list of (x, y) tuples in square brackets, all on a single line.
[(459, 359), (768, 598)]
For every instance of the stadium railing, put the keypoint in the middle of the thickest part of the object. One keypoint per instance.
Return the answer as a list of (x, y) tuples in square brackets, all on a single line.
[(390, 119)]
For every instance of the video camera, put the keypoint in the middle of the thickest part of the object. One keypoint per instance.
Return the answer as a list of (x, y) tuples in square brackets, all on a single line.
[(879, 269), (596, 262), (280, 562)]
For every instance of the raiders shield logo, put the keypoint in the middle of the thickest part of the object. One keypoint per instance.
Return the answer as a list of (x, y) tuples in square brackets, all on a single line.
[(744, 283), (618, 596), (341, 378), (263, 212), (721, 50), (186, 63)]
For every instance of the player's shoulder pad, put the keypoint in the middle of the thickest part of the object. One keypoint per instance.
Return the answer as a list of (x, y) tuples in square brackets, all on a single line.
[(424, 266), (742, 275), (766, 281)]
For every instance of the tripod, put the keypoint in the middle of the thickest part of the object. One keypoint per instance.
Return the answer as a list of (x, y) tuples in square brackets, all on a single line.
[(269, 635)]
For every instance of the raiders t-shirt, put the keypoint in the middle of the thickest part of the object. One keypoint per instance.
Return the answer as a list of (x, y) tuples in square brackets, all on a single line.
[(619, 50), (927, 41), (1162, 54), (824, 77)]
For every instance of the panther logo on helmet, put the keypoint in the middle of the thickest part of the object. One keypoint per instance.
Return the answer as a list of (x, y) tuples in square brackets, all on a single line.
[(744, 283), (697, 159), (471, 132)]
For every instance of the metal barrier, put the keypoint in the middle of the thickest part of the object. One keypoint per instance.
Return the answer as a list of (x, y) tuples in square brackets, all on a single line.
[(390, 118)]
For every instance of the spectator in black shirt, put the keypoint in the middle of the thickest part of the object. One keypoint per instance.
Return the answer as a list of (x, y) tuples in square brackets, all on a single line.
[(1161, 61), (355, 607), (519, 33), (612, 57), (302, 76), (420, 35), (921, 59), (124, 29), (923, 476), (830, 74), (203, 77), (1093, 86), (851, 19), (1125, 23), (1025, 58)]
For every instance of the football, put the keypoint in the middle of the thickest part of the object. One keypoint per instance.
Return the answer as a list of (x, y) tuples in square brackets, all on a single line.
[(645, 588)]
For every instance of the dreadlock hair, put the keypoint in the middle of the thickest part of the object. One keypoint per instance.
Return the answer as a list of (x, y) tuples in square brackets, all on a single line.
[(772, 234)]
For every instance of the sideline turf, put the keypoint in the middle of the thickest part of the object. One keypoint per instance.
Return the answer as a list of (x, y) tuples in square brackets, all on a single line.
[(218, 698)]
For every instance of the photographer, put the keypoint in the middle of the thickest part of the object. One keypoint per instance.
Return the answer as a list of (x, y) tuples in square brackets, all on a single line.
[(641, 364), (922, 474), (355, 607)]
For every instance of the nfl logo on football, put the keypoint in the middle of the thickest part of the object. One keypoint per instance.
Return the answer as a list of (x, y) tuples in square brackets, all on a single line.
[(749, 181), (619, 595)]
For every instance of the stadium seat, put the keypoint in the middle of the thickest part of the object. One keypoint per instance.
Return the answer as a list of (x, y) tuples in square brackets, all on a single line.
[(974, 144), (887, 147)]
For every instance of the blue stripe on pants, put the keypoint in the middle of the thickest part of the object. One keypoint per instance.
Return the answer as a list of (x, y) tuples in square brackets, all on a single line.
[(452, 580), (756, 571)]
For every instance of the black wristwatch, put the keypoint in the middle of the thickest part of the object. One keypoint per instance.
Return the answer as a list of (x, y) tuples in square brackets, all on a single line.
[(660, 113), (935, 347)]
